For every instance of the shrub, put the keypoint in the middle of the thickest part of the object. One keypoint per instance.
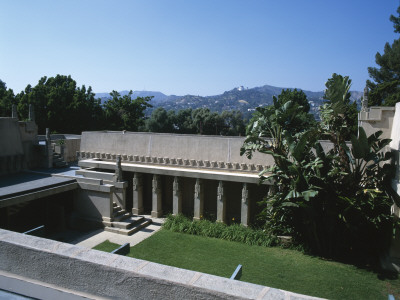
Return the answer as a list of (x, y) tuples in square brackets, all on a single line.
[(234, 232)]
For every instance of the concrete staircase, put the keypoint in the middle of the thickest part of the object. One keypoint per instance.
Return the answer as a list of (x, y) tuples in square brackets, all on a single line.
[(58, 161), (124, 223)]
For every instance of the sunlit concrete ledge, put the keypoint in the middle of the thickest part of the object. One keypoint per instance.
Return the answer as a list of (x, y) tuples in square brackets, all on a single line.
[(175, 171), (98, 274)]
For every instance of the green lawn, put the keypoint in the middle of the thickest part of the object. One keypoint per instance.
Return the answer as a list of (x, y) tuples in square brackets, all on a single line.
[(274, 267), (107, 246)]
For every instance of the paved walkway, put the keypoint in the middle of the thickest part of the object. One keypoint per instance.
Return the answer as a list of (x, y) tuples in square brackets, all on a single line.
[(96, 237)]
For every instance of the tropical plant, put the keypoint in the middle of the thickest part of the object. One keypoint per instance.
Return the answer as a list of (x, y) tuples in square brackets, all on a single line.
[(336, 202)]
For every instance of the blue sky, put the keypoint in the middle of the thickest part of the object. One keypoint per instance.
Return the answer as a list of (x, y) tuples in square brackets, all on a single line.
[(192, 47)]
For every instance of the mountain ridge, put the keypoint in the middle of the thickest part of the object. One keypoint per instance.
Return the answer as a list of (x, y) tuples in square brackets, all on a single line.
[(239, 98)]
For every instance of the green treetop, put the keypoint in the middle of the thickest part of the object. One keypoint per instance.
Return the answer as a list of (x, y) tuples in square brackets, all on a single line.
[(385, 90)]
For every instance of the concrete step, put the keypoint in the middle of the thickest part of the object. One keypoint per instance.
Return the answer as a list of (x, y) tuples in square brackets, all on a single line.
[(130, 231), (128, 222)]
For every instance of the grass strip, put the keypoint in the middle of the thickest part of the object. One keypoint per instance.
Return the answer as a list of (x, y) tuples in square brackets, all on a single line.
[(275, 267), (107, 246)]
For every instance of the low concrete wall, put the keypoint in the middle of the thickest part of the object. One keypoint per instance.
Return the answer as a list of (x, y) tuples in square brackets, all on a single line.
[(10, 142), (94, 200), (71, 147), (18, 146), (99, 274), (159, 145)]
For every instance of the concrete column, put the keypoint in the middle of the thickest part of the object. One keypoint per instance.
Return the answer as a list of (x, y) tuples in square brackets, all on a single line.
[(49, 150), (198, 200), (245, 210), (221, 203), (137, 208), (177, 197), (118, 169), (156, 211), (14, 112)]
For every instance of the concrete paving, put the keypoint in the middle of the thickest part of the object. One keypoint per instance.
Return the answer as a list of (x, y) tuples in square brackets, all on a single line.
[(96, 237)]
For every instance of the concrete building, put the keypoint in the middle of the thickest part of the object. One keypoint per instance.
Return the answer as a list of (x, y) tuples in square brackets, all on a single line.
[(122, 175)]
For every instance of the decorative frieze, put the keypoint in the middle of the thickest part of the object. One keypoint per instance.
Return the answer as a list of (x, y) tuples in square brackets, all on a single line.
[(193, 163)]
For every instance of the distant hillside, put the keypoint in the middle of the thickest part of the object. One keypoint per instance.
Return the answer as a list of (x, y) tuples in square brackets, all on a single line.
[(245, 100)]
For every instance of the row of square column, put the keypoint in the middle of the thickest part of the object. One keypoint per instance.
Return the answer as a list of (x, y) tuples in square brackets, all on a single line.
[(177, 199)]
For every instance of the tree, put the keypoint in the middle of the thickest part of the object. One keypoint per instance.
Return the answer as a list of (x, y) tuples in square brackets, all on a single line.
[(124, 113), (85, 111), (60, 105), (7, 99), (338, 108), (203, 119), (290, 110), (385, 90), (183, 122), (296, 96), (233, 123), (160, 121)]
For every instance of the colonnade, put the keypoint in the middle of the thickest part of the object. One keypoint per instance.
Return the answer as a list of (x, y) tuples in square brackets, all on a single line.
[(177, 198)]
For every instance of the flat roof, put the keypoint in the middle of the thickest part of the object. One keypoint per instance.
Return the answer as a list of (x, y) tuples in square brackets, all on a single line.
[(25, 182)]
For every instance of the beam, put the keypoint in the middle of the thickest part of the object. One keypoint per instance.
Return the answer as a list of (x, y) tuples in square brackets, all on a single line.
[(211, 174)]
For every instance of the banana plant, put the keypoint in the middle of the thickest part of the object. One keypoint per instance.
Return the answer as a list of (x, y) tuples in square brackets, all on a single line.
[(367, 156)]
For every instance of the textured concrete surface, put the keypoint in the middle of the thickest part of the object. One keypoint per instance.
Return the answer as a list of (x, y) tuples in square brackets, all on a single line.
[(103, 275)]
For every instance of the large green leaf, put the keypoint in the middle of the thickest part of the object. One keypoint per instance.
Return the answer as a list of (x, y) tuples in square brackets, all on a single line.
[(360, 145)]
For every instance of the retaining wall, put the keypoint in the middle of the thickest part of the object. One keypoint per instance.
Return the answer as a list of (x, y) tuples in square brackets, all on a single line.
[(103, 275)]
